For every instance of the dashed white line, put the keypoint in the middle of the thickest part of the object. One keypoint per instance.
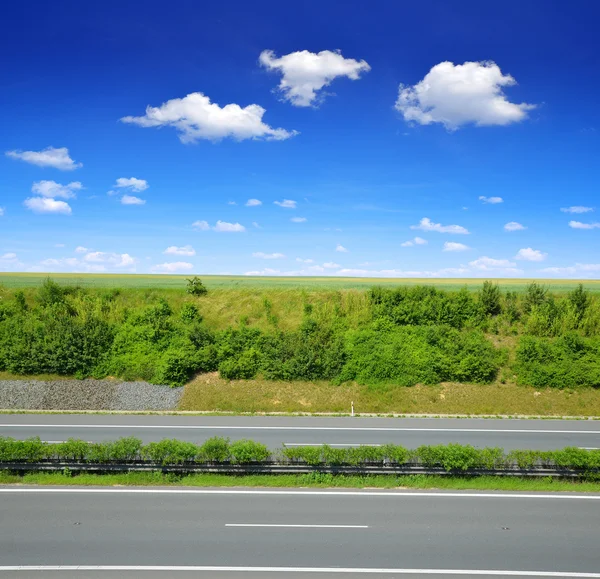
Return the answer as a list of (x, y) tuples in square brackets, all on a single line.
[(297, 526)]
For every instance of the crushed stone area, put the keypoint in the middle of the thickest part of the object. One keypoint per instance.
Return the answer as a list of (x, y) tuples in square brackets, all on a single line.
[(86, 395)]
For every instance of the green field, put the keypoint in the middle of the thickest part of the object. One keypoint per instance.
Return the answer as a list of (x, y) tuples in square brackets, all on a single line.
[(144, 281)]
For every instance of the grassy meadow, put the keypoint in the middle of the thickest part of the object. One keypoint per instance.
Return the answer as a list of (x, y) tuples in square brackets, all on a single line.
[(160, 281)]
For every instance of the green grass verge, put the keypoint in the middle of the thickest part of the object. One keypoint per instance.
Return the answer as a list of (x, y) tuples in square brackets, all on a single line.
[(303, 481), (145, 281)]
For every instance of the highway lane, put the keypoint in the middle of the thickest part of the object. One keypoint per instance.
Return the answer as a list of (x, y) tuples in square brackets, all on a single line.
[(343, 431), (330, 532)]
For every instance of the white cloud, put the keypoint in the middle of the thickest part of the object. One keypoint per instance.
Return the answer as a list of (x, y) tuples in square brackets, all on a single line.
[(305, 73), (253, 202), (528, 254), (579, 270), (201, 225), (195, 117), (456, 95), (576, 209), (453, 246), (414, 241), (331, 265), (81, 249), (231, 203), (298, 219), (132, 200), (223, 226), (256, 225), (53, 189), (305, 260), (286, 203), (262, 255), (341, 248), (427, 225), (9, 256), (1, 211), (49, 157), (132, 183), (172, 267), (491, 200), (46, 205), (187, 250), (114, 259), (495, 265), (514, 226), (579, 225)]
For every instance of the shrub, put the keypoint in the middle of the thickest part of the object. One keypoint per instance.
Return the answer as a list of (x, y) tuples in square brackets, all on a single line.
[(195, 287), (170, 451), (189, 313), (310, 455), (72, 449), (215, 449), (244, 451), (489, 297)]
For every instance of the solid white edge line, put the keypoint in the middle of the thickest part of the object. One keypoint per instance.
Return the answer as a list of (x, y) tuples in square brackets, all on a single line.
[(328, 444), (188, 491), (336, 570), (279, 526), (341, 428)]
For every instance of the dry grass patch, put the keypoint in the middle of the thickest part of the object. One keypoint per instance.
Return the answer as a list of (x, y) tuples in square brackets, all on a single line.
[(208, 392)]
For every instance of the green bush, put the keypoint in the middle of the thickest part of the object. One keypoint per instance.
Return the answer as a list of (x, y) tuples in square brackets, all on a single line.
[(195, 287), (170, 452), (215, 449), (244, 451)]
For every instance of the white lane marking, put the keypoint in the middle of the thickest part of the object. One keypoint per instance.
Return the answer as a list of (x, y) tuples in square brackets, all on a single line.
[(325, 443), (339, 428), (336, 570), (588, 447), (188, 491), (298, 526)]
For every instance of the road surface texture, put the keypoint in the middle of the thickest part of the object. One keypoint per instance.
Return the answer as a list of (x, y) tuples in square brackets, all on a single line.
[(275, 533), (273, 431)]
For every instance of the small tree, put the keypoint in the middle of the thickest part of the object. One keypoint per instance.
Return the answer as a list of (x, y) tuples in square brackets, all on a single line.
[(580, 299), (195, 287), (535, 295), (489, 297)]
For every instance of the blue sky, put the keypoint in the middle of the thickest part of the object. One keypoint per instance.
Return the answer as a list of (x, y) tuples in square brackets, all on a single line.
[(383, 139)]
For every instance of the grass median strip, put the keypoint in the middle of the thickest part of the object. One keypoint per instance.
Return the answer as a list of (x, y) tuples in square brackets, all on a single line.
[(314, 480)]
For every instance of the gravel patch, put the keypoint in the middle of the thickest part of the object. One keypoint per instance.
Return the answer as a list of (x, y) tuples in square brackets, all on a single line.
[(86, 395)]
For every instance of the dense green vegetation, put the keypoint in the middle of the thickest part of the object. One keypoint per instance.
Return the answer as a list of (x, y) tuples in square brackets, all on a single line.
[(451, 457), (385, 336)]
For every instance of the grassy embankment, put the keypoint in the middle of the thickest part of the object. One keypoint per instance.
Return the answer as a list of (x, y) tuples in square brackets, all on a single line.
[(263, 321)]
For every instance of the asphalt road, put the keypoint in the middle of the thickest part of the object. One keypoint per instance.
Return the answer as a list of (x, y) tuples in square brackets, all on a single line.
[(273, 431), (230, 533)]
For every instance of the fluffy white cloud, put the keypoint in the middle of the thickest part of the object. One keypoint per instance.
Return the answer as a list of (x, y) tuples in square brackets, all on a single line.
[(223, 226), (456, 95), (1, 211), (172, 267), (54, 189), (81, 249), (47, 205), (491, 200), (262, 255), (195, 117), (341, 248), (305, 260), (528, 254), (514, 226), (331, 265), (253, 202), (286, 203), (580, 225), (298, 219), (305, 73), (427, 225), (132, 183), (201, 225), (453, 246), (576, 209), (414, 241), (132, 200), (495, 265), (114, 259), (50, 157), (187, 250), (8, 256)]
